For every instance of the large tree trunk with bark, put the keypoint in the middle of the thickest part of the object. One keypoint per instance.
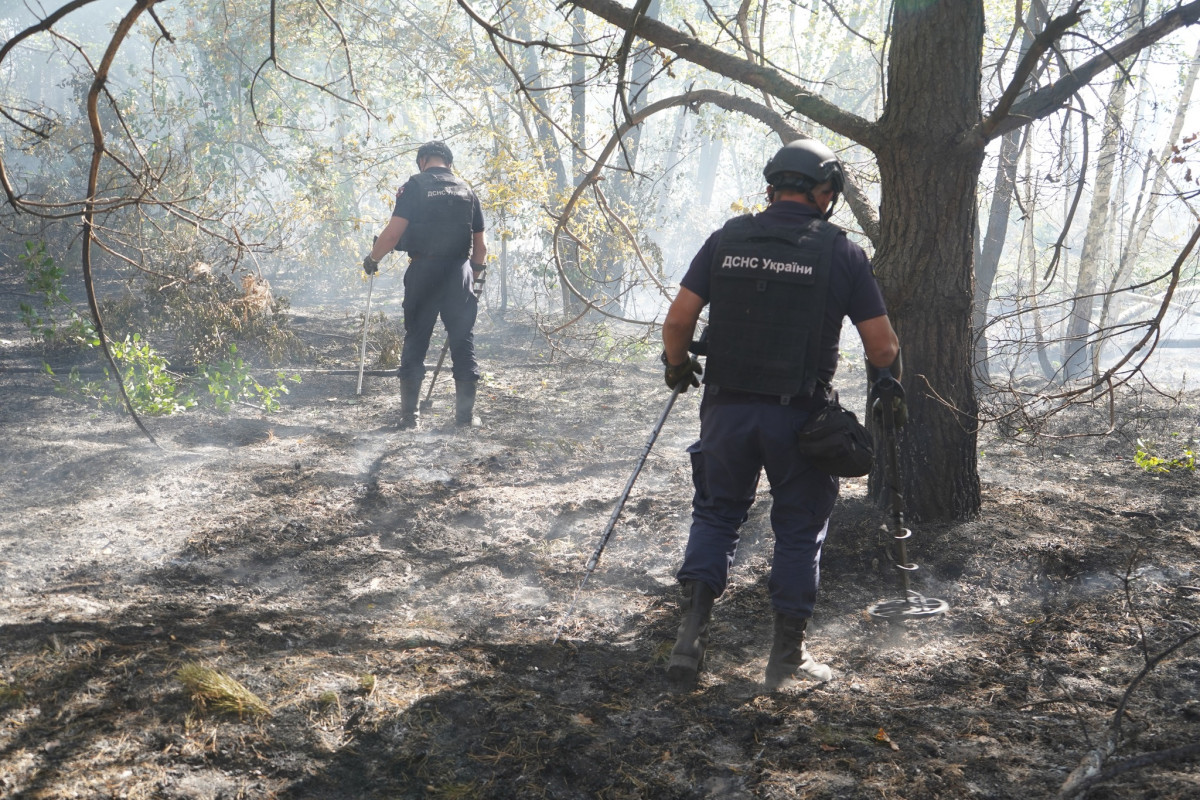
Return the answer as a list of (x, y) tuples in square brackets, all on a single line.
[(924, 261)]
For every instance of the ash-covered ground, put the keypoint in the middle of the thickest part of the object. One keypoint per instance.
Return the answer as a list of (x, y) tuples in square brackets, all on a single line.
[(393, 598)]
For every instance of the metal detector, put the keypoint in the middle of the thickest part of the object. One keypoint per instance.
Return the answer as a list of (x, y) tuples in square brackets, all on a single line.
[(427, 403), (362, 358), (913, 605), (616, 512)]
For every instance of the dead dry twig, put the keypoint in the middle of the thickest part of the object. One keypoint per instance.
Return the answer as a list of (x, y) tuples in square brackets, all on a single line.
[(1091, 772)]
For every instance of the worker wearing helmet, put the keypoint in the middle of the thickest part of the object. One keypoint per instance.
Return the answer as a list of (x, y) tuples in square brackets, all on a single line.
[(778, 285), (438, 221)]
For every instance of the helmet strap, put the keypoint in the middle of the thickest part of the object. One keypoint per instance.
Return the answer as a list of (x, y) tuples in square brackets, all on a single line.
[(832, 203)]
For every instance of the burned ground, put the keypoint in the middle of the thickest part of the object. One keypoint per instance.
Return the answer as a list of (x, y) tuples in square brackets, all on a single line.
[(394, 598)]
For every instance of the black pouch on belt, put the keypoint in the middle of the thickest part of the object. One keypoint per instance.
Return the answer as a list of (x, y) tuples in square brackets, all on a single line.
[(836, 442)]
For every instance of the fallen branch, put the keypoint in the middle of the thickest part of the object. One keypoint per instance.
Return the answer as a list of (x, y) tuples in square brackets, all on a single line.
[(1090, 771), (1181, 753)]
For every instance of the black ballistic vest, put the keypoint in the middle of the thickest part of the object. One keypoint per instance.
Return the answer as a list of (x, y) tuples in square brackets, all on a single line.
[(441, 223), (767, 306)]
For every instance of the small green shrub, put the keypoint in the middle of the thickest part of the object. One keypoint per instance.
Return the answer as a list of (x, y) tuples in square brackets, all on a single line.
[(11, 695), (215, 691), (229, 382), (53, 318), (152, 389), (156, 391), (1148, 460)]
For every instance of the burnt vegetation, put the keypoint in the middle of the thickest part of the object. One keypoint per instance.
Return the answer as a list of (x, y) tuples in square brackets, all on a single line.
[(271, 592), (391, 600)]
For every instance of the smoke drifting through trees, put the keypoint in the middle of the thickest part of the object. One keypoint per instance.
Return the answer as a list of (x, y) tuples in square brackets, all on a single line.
[(605, 139)]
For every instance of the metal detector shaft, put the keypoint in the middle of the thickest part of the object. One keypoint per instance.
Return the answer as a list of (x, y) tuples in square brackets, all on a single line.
[(899, 533), (428, 401), (913, 605), (362, 357), (477, 288), (616, 512)]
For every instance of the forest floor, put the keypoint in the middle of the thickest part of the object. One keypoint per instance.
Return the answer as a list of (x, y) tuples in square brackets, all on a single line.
[(392, 597)]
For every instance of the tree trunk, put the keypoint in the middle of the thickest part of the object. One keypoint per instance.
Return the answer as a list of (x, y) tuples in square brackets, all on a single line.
[(578, 91), (504, 237), (531, 76), (547, 143), (1030, 243), (641, 66), (992, 246), (1142, 223), (928, 216), (1076, 357), (706, 171)]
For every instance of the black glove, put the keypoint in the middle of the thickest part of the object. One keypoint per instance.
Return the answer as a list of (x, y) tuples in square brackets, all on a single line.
[(370, 265), (899, 411), (885, 382), (682, 375), (884, 388)]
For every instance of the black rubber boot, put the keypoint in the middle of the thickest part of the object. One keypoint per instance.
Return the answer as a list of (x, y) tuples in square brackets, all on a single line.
[(410, 398), (790, 661), (687, 657), (464, 405)]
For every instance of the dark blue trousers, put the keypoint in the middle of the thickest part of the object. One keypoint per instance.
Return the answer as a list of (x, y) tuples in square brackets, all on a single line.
[(738, 440), (433, 287)]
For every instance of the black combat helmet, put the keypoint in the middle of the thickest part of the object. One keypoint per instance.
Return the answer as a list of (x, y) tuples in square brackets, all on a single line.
[(800, 165), (804, 158), (435, 149)]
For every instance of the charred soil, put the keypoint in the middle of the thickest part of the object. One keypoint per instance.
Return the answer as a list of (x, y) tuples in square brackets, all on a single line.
[(393, 598)]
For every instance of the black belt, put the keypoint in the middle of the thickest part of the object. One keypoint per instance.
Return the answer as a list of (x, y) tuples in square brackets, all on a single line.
[(806, 402)]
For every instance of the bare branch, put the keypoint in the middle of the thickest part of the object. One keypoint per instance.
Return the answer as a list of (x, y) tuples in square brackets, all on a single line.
[(1170, 755), (89, 213), (345, 49), (44, 25), (739, 69), (1089, 772), (496, 31), (692, 99), (622, 57), (1041, 43), (273, 59), (842, 21), (1049, 100), (1122, 371)]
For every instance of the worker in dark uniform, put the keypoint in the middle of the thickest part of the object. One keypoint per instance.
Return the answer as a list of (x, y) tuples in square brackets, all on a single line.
[(778, 284), (438, 221)]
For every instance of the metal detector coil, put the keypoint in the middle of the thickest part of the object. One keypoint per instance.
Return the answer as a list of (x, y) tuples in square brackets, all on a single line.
[(914, 606)]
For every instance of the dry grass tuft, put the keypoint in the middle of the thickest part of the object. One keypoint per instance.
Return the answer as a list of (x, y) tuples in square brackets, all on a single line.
[(11, 695), (211, 689)]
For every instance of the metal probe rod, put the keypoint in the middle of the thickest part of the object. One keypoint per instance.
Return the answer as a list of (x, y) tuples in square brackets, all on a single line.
[(362, 358), (616, 512)]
